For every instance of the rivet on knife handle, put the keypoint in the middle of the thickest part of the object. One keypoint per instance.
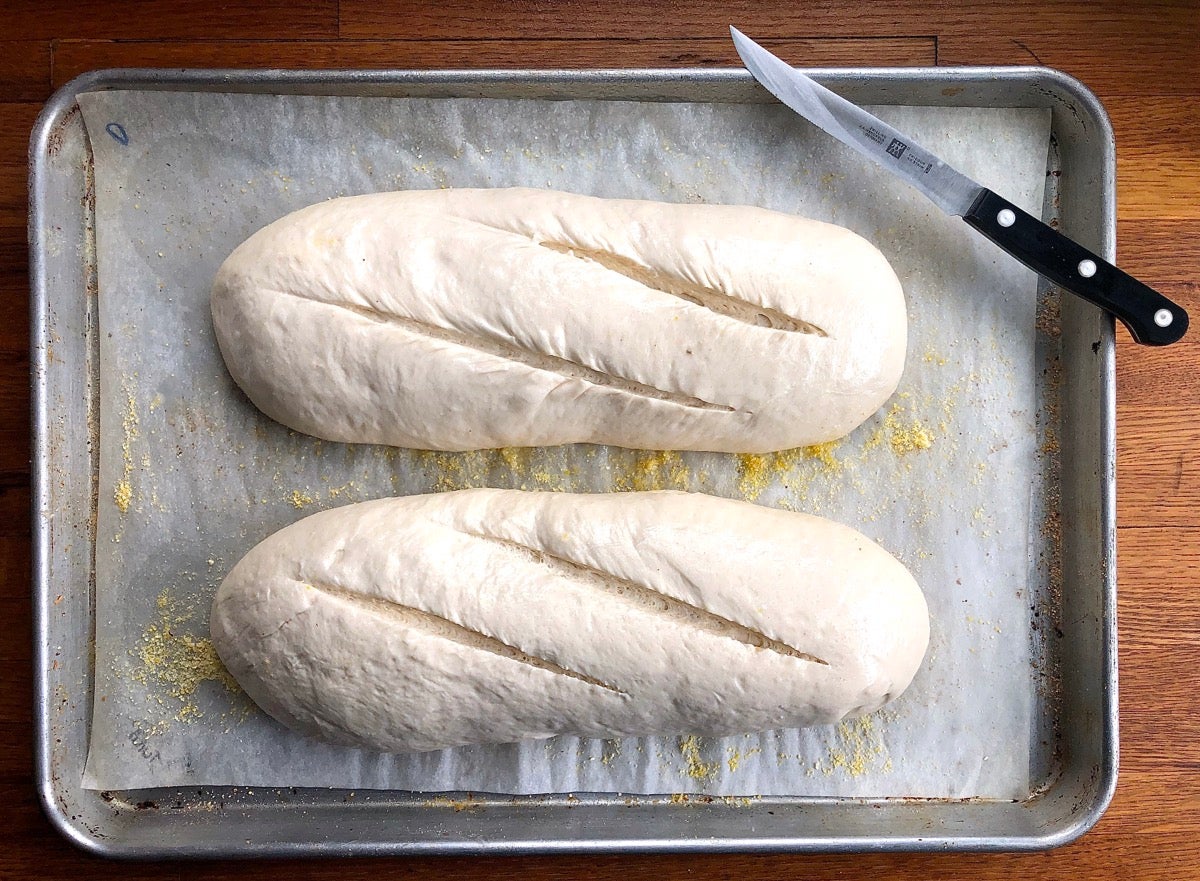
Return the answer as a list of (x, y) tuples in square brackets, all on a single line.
[(1151, 318)]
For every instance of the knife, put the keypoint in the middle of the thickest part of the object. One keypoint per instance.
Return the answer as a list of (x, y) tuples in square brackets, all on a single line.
[(1152, 319)]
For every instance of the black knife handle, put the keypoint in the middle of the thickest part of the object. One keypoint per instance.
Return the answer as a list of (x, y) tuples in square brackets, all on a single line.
[(1152, 319)]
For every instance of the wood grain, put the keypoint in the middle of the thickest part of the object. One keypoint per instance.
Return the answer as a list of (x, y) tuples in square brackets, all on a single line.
[(16, 747), (1158, 414), (1158, 468), (1140, 57), (1152, 800), (171, 19), (17, 653), (525, 19), (14, 568), (1159, 619), (1149, 856), (1164, 254), (1076, 37), (73, 57), (24, 70), (14, 161), (1076, 24), (1114, 48), (14, 415), (14, 288), (1158, 156), (14, 285)]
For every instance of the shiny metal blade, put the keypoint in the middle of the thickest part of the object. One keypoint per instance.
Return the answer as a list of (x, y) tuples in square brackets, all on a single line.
[(949, 189)]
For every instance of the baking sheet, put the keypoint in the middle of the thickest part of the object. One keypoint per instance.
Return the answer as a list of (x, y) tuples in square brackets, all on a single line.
[(192, 476)]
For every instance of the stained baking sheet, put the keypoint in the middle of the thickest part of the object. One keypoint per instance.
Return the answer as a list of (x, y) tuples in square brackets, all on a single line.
[(948, 475)]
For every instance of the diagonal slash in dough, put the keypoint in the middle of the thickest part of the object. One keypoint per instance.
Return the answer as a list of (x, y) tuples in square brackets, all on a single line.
[(444, 628), (510, 352), (716, 301), (677, 611)]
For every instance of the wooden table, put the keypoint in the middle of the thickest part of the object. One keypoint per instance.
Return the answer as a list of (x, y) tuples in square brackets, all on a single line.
[(1140, 58)]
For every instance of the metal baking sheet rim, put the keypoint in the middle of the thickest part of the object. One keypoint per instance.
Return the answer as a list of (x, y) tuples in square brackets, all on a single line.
[(214, 822)]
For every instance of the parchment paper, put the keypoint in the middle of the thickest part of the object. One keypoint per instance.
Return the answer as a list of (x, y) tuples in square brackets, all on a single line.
[(192, 476)]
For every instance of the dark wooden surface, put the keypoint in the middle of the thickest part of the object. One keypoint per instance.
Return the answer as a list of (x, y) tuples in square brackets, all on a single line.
[(1140, 58)]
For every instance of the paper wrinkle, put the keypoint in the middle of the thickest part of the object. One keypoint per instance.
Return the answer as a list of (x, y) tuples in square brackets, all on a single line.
[(192, 476)]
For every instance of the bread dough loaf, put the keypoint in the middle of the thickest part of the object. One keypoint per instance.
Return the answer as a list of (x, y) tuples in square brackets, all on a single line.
[(470, 319), (486, 616)]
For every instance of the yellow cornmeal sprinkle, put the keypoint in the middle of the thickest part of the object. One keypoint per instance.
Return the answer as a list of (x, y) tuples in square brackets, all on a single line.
[(932, 357), (610, 749), (697, 768), (756, 471), (300, 499), (739, 801), (655, 469), (466, 470), (123, 492), (904, 436), (736, 756), (175, 663), (911, 438), (457, 805), (123, 495), (862, 749), (517, 459), (823, 453), (539, 468), (447, 466)]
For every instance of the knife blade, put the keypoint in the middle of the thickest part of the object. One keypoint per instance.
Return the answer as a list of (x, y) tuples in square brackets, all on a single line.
[(1151, 318)]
